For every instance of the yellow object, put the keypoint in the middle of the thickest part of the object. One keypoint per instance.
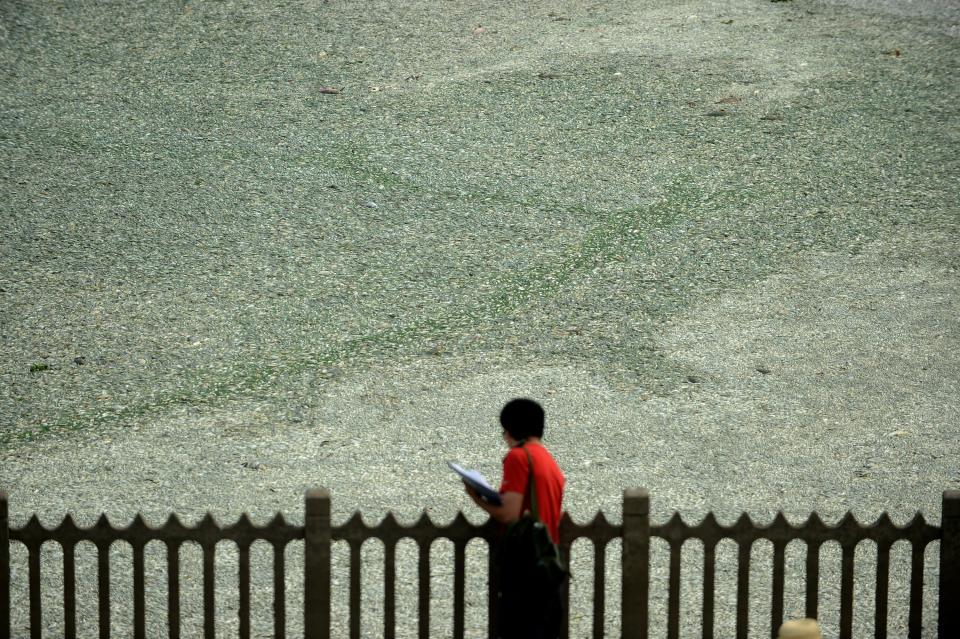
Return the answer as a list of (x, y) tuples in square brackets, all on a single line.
[(800, 629)]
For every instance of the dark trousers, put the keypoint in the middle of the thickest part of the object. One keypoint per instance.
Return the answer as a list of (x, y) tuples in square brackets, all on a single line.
[(528, 610)]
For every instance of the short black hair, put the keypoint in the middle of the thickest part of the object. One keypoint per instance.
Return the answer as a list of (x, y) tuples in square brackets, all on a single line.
[(522, 418)]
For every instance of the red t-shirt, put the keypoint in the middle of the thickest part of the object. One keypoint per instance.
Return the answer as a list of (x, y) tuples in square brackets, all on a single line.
[(548, 481)]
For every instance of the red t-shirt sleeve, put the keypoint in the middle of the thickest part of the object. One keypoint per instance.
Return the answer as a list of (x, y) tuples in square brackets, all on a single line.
[(516, 472)]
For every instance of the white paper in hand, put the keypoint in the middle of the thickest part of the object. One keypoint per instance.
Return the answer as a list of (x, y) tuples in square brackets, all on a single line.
[(476, 481)]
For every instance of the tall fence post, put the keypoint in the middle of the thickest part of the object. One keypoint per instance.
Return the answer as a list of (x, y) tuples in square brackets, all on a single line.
[(636, 563), (316, 568), (4, 568), (949, 621)]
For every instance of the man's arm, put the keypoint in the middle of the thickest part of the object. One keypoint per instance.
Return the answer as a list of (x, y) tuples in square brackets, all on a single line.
[(506, 512)]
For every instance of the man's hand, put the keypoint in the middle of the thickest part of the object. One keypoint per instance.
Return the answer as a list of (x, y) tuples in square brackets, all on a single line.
[(506, 512)]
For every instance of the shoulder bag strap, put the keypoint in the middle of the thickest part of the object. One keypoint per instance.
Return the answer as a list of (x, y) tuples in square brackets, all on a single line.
[(532, 487)]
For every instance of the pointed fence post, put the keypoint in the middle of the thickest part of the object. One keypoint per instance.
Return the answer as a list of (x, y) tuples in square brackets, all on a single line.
[(4, 567), (949, 622), (636, 563), (316, 568)]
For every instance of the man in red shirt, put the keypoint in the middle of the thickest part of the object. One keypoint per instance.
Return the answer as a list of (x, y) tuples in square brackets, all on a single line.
[(523, 613)]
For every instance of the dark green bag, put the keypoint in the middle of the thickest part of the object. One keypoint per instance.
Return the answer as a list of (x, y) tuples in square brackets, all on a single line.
[(528, 556)]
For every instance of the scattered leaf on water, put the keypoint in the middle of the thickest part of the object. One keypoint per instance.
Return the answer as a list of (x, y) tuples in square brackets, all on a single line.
[(772, 117), (545, 75), (691, 104), (726, 22), (893, 52), (730, 99)]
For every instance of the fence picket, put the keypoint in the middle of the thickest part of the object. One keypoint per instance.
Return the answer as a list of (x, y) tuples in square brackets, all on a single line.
[(709, 586), (493, 582), (36, 614), (279, 591), (139, 594), (317, 537), (813, 579), (915, 622), (355, 576), (390, 590), (103, 585), (69, 591), (4, 566), (673, 591), (565, 545), (209, 594), (459, 587), (846, 590), (423, 594), (948, 624), (743, 588), (636, 563), (882, 598), (244, 589), (173, 587), (599, 587), (776, 603)]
